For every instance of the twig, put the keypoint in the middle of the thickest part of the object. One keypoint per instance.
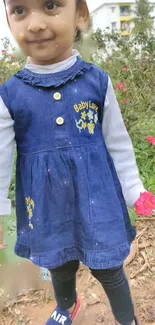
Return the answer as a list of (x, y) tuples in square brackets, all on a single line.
[(146, 260), (142, 269), (147, 219), (140, 234), (89, 278), (19, 301), (144, 245), (132, 254), (3, 320), (11, 321)]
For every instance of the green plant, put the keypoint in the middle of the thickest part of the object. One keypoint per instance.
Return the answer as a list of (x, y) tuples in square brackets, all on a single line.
[(10, 61), (13, 181), (143, 22), (133, 75)]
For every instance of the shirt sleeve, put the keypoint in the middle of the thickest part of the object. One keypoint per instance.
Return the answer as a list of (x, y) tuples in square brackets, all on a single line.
[(7, 144), (120, 147)]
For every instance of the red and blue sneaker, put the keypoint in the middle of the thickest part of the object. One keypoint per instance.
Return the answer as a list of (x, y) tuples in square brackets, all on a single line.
[(63, 317)]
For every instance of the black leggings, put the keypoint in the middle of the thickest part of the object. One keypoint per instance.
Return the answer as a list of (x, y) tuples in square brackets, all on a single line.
[(113, 281)]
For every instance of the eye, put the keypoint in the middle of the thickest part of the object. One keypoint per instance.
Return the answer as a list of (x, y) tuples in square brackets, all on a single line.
[(19, 10), (50, 5)]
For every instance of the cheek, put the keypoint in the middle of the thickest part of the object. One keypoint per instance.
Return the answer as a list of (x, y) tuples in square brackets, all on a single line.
[(63, 24), (17, 33), (20, 40), (20, 37), (66, 29)]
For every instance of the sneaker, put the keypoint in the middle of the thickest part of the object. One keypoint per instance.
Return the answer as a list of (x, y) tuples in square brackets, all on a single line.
[(135, 322), (63, 317)]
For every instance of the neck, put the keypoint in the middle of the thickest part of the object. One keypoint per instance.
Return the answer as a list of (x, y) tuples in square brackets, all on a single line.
[(60, 57)]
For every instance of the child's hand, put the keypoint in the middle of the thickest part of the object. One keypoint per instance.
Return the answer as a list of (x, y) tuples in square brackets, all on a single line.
[(2, 246), (145, 205)]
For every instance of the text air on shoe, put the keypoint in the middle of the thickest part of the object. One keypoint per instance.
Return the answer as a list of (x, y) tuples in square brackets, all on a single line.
[(60, 319)]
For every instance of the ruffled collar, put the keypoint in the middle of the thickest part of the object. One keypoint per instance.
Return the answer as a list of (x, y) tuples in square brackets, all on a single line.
[(53, 79)]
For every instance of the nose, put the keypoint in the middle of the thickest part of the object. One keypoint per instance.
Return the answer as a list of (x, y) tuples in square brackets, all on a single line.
[(36, 25)]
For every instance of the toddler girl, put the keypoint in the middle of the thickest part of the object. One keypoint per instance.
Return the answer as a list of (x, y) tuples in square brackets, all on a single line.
[(76, 169)]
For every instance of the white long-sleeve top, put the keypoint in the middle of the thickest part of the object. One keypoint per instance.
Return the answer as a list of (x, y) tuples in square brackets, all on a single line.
[(114, 131)]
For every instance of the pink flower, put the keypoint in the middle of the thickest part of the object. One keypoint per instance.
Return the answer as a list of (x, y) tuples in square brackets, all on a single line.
[(125, 90), (145, 204), (151, 140), (4, 52), (124, 69), (123, 101), (12, 57), (119, 86)]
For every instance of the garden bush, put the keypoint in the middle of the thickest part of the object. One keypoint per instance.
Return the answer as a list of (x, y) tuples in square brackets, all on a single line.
[(132, 70), (10, 63)]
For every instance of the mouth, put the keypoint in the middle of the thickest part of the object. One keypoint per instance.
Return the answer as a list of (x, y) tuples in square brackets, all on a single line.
[(40, 41)]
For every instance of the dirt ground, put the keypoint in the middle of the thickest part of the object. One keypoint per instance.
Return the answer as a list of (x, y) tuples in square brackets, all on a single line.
[(35, 306)]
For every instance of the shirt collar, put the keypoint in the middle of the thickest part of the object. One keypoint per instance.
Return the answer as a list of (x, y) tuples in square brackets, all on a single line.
[(53, 68)]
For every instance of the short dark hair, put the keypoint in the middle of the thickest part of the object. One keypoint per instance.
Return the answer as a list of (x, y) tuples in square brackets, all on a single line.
[(78, 36)]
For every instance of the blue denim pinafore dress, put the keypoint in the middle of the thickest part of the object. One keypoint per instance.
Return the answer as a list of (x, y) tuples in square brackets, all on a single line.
[(69, 201)]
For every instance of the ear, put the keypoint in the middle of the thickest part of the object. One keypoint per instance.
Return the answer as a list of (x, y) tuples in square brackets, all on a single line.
[(83, 16)]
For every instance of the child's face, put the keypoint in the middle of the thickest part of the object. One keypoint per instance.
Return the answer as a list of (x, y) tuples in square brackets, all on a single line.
[(45, 30)]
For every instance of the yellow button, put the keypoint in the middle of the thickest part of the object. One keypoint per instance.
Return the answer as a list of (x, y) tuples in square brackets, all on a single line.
[(57, 96), (60, 121)]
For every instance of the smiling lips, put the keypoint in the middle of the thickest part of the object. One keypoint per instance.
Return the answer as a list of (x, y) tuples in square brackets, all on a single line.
[(39, 41)]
